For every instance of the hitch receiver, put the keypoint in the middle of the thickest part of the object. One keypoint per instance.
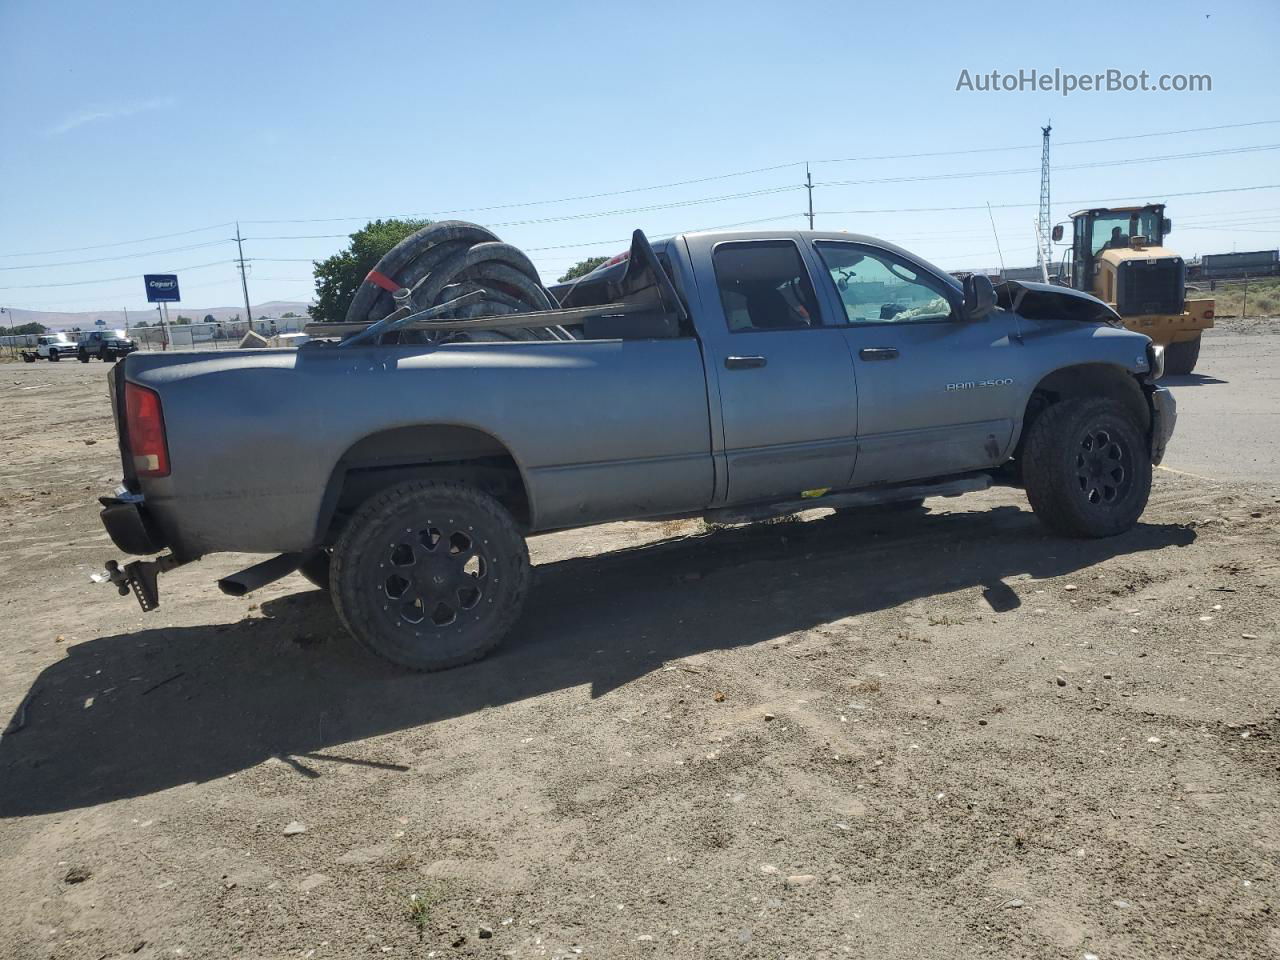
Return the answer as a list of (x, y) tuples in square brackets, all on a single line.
[(140, 578)]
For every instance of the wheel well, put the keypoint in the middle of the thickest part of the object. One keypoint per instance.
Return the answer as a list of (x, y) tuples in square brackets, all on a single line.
[(440, 452), (1086, 380)]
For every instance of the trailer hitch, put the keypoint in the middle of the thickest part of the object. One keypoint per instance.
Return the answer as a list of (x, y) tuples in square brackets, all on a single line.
[(139, 578)]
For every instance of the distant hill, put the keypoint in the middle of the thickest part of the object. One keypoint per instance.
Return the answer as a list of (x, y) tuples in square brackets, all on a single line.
[(115, 318)]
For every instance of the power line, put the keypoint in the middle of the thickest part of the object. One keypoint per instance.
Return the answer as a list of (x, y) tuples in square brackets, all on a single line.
[(123, 256), (131, 276), (558, 246), (1017, 206), (767, 191), (664, 186), (1061, 143), (659, 186), (916, 178), (769, 169), (100, 296), (1070, 166), (117, 243)]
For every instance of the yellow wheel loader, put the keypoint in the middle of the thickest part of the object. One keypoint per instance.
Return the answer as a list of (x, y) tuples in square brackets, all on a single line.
[(1118, 255)]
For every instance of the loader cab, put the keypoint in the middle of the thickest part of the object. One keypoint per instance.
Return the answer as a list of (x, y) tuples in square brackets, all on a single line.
[(1118, 255)]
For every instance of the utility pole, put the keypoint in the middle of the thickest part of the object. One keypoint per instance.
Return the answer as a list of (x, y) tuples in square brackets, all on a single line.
[(1045, 244), (808, 183), (126, 320), (244, 284)]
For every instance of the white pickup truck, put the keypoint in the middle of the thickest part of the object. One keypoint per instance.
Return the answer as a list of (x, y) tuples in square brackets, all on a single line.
[(49, 346)]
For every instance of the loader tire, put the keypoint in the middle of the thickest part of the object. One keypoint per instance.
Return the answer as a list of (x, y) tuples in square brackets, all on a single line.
[(1181, 358), (1086, 467)]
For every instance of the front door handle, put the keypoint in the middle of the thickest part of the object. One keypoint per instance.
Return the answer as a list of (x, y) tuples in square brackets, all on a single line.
[(744, 363), (878, 353)]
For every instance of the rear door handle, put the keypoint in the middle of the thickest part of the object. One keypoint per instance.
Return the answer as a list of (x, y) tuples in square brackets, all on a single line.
[(878, 353), (744, 363)]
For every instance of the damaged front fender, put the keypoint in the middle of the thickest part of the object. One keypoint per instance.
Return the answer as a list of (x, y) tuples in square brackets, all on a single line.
[(1047, 301)]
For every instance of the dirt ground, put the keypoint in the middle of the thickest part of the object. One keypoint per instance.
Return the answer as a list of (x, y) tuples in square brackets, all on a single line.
[(941, 735)]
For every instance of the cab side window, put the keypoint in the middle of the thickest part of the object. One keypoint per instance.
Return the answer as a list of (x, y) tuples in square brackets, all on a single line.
[(878, 288), (764, 286)]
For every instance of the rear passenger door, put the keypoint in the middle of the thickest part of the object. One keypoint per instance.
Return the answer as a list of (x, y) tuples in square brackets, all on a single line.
[(937, 392), (787, 401)]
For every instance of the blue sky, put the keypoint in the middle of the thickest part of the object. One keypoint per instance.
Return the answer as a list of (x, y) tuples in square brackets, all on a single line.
[(124, 122)]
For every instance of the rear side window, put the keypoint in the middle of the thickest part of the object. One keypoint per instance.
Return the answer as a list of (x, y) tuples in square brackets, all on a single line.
[(764, 286)]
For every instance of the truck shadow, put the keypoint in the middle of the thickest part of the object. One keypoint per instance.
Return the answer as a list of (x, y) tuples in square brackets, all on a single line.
[(1190, 380), (181, 704)]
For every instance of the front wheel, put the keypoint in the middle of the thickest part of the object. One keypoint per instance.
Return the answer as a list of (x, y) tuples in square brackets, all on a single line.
[(53, 356), (82, 357), (430, 574), (1086, 468), (1181, 358)]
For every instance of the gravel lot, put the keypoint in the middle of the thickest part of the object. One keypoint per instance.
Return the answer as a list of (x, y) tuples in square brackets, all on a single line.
[(945, 735)]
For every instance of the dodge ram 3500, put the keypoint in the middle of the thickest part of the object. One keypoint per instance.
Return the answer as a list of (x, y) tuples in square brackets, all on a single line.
[(729, 375)]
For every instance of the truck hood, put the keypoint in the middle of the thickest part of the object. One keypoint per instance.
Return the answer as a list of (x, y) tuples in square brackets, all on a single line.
[(1048, 301)]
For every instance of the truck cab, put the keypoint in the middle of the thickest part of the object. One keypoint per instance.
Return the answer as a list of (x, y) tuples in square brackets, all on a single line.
[(1118, 255), (106, 345)]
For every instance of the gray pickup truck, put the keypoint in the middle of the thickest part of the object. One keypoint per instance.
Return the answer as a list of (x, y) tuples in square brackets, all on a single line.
[(729, 375)]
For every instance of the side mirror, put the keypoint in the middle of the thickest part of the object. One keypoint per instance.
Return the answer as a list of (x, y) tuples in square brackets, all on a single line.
[(979, 296), (1057, 233), (1166, 225)]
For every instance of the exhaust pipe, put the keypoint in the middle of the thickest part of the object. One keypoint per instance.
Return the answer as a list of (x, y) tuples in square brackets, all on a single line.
[(260, 574)]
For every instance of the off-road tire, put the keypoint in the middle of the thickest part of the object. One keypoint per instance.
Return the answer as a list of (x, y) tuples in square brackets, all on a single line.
[(1181, 358), (430, 574), (82, 356), (316, 569), (53, 356), (1087, 468)]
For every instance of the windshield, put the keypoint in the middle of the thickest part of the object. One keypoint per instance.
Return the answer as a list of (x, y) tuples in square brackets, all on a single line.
[(1112, 231)]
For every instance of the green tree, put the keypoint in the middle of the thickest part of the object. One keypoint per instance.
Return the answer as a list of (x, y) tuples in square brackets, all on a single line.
[(581, 268), (338, 277), (182, 321), (23, 329)]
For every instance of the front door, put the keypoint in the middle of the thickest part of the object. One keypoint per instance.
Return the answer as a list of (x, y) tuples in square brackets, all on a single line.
[(936, 392), (785, 377)]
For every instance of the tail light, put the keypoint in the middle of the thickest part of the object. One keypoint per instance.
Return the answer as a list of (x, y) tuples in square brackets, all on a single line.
[(1208, 314), (144, 421)]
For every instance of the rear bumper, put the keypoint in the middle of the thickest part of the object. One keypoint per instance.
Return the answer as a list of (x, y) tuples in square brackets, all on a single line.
[(1164, 414), (128, 525)]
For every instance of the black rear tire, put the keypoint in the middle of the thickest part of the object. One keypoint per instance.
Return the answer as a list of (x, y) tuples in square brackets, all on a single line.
[(1087, 468), (430, 574), (1181, 358)]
